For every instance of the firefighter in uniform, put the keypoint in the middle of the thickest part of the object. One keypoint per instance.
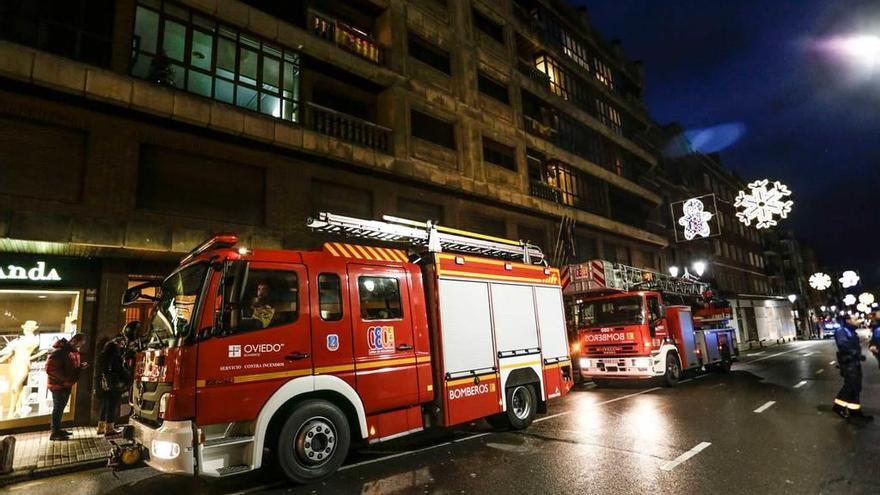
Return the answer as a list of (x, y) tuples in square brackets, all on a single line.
[(849, 360), (874, 344)]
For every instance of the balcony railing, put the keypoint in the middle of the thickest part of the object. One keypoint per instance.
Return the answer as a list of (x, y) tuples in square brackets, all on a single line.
[(543, 190), (342, 126), (529, 70), (346, 37)]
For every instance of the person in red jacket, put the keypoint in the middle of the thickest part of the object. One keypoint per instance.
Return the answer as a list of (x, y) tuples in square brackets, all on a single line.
[(63, 368)]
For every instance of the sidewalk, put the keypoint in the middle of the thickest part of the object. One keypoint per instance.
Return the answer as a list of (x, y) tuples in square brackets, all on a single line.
[(35, 455)]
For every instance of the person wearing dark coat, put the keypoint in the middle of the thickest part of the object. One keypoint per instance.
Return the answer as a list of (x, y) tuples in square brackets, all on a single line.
[(848, 404), (63, 369), (114, 379)]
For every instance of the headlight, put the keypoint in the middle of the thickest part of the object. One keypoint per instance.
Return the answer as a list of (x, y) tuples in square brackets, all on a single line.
[(163, 404), (164, 449), (642, 362), (585, 363)]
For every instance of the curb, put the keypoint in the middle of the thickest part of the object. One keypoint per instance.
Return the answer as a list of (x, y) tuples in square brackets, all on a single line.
[(28, 474)]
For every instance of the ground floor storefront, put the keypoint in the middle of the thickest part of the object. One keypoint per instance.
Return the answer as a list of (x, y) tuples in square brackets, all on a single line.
[(762, 319)]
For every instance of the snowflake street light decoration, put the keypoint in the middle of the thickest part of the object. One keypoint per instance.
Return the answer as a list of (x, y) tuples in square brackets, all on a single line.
[(695, 220), (862, 307), (849, 279), (820, 281), (849, 300), (762, 204), (866, 298)]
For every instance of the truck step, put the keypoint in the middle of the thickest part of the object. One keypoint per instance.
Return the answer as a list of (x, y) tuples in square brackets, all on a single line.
[(224, 441), (230, 470)]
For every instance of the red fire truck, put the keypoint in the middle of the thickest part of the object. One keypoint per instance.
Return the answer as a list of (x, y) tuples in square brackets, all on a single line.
[(631, 323), (300, 353)]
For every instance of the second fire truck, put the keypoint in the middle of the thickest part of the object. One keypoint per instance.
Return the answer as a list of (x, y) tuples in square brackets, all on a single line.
[(295, 355), (630, 324)]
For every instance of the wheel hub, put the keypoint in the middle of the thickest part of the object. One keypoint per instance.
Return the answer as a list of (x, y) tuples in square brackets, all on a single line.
[(520, 403), (315, 441)]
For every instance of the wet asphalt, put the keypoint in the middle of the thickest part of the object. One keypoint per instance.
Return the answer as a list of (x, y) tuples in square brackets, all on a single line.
[(703, 436)]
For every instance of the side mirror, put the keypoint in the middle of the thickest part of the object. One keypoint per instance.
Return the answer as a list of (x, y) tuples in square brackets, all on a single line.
[(133, 294)]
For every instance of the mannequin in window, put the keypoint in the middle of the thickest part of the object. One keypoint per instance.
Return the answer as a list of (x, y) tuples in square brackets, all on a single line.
[(19, 353)]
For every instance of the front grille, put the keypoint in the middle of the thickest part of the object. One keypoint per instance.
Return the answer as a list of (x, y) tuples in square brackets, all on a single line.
[(617, 350)]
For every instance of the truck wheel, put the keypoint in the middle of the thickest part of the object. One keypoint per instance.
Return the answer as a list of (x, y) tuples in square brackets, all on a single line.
[(521, 406), (313, 441), (673, 370)]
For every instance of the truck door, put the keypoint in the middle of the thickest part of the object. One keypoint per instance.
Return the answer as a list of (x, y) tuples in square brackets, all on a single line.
[(265, 342), (385, 356)]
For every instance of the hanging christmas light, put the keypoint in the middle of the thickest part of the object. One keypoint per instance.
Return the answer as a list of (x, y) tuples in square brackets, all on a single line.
[(695, 219), (763, 204), (866, 298), (862, 307), (849, 300), (848, 279), (820, 281)]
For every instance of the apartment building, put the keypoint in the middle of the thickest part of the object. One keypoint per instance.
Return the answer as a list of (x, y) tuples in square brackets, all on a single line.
[(130, 130)]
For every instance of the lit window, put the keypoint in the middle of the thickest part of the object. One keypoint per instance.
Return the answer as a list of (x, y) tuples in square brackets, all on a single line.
[(242, 70)]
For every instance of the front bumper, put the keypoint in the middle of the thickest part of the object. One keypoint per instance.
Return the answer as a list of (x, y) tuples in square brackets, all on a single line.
[(628, 367), (169, 447)]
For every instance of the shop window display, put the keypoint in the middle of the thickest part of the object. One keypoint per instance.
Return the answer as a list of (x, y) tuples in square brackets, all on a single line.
[(31, 321)]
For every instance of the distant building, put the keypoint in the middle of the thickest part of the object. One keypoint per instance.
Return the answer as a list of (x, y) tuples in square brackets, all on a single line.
[(735, 253), (132, 129)]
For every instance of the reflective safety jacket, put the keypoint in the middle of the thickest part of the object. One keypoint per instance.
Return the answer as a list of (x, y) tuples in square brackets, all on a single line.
[(849, 349)]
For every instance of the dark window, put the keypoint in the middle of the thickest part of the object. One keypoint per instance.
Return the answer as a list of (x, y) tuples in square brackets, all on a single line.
[(330, 297), (499, 154), (485, 225), (380, 298), (490, 87), (654, 312), (78, 29), (181, 48), (190, 185), (342, 200), (423, 51), (425, 127), (414, 209), (41, 161), (491, 28), (270, 298), (586, 248)]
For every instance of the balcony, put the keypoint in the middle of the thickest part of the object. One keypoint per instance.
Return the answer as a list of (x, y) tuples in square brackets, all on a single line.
[(352, 129), (529, 70), (346, 37), (543, 190), (537, 128)]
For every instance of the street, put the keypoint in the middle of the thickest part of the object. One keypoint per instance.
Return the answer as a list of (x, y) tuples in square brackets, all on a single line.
[(766, 427)]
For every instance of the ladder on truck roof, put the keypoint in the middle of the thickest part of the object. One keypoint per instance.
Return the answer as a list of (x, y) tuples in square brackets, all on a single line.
[(598, 276), (427, 234)]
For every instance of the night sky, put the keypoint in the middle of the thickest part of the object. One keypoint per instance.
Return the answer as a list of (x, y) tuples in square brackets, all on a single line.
[(811, 116)]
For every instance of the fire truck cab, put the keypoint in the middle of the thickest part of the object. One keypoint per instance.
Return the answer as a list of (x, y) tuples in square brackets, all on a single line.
[(626, 333), (301, 353)]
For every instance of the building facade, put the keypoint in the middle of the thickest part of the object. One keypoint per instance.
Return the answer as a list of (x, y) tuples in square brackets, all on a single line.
[(130, 130)]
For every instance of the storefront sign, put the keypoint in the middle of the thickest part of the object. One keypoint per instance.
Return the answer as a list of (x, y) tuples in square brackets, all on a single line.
[(37, 273), (47, 271)]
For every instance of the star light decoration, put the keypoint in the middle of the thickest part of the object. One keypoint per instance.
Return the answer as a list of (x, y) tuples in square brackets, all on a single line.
[(762, 204), (820, 281), (695, 219), (849, 279), (866, 298), (849, 300)]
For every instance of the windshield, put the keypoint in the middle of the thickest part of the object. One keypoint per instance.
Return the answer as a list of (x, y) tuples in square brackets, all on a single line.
[(608, 312), (174, 310)]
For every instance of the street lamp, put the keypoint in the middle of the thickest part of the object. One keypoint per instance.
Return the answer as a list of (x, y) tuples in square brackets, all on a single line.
[(833, 308), (699, 267), (673, 271), (823, 308), (792, 298)]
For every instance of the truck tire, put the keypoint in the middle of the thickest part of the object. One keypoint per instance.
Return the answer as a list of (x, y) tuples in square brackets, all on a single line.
[(522, 404), (673, 370), (313, 441)]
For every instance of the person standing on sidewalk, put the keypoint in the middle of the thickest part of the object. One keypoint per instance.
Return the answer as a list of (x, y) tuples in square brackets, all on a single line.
[(874, 344), (63, 369), (114, 380), (849, 359)]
